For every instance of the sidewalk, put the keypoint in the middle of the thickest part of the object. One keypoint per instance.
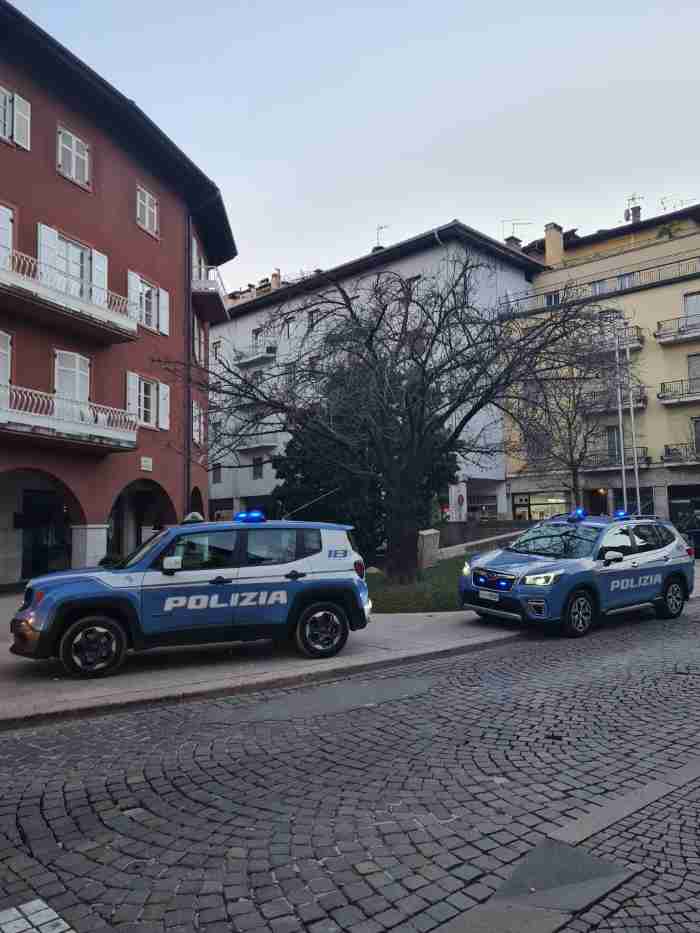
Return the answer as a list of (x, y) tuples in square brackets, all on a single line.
[(39, 689)]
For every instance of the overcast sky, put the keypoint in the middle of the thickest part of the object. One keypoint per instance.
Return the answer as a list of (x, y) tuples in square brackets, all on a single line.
[(320, 122)]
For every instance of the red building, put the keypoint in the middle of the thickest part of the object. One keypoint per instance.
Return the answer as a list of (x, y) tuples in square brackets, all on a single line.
[(109, 242)]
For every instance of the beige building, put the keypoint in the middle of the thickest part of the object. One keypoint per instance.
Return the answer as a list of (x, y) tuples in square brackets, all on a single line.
[(650, 270)]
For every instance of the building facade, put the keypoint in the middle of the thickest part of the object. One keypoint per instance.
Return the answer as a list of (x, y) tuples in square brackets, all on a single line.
[(109, 239), (649, 270), (255, 338)]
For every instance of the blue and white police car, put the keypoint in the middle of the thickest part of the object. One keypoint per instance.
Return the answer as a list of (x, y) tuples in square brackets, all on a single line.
[(201, 582), (573, 569)]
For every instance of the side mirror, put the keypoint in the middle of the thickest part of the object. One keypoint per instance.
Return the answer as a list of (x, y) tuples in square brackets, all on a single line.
[(171, 565), (613, 557)]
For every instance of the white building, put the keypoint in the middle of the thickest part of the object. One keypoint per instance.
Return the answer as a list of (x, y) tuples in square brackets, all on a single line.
[(250, 337)]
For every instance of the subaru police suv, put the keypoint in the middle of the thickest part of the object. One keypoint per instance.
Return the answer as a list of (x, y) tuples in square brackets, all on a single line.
[(574, 569), (201, 582)]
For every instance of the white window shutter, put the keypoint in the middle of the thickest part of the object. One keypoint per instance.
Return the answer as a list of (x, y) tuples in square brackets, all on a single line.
[(132, 393), (163, 311), (47, 239), (22, 129), (163, 406), (134, 294), (100, 265), (83, 393), (5, 358), (6, 217)]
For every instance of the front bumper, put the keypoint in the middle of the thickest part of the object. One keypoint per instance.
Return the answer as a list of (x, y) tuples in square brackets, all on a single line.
[(527, 606), (28, 642)]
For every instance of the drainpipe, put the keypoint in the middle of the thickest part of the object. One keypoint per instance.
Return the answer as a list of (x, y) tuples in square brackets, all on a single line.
[(188, 372)]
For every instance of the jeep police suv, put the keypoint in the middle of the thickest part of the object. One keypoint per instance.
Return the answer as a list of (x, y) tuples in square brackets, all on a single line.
[(573, 569), (201, 582)]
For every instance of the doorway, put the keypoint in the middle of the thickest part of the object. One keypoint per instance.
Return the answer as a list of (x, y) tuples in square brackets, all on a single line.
[(46, 538)]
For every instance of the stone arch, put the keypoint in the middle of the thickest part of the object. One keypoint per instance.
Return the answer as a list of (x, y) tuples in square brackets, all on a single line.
[(197, 501), (37, 514), (141, 508)]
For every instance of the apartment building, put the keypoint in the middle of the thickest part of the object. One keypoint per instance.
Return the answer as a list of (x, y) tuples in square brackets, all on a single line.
[(109, 242), (256, 336), (648, 269)]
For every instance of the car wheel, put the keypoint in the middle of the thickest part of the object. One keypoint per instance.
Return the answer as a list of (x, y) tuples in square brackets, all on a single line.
[(93, 647), (579, 615), (672, 601), (322, 630)]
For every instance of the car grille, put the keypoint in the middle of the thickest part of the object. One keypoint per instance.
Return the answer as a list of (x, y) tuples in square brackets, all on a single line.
[(486, 579)]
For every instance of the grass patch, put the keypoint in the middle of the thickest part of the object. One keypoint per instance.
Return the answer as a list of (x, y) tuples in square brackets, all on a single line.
[(436, 591)]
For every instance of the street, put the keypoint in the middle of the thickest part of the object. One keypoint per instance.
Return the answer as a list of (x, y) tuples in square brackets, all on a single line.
[(399, 799)]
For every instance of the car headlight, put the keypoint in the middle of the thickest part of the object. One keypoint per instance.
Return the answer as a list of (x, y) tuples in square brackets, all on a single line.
[(467, 569), (542, 579)]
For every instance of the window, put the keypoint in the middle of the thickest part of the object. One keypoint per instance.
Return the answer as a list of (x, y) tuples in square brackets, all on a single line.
[(217, 349), (257, 467), (551, 299), (149, 400), (612, 436), (198, 338), (148, 303), (197, 423), (15, 119), (147, 211), (73, 158), (270, 546), (310, 542), (626, 280), (72, 376), (216, 474), (75, 262), (5, 368), (694, 372), (199, 264), (665, 535), (645, 538), (6, 239), (557, 539), (599, 288), (617, 539), (211, 550), (691, 305), (695, 424)]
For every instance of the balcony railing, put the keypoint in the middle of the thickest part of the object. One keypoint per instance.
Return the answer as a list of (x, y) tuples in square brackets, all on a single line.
[(22, 408), (677, 329), (681, 453), (594, 286), (680, 390), (22, 271), (632, 337), (605, 399), (208, 279), (601, 459), (263, 349)]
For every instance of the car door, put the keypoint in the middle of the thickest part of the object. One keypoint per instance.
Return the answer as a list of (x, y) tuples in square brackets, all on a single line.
[(614, 579), (195, 600), (650, 561), (271, 574)]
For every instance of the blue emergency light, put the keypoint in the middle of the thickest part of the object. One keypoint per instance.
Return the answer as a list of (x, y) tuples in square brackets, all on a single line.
[(249, 517), (578, 515), (621, 513)]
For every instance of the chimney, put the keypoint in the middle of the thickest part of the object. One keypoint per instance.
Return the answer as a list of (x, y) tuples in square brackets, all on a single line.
[(553, 244), (636, 213), (514, 242), (276, 278)]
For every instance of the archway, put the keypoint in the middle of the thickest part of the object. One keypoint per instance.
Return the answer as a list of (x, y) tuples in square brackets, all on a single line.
[(197, 502), (141, 508), (37, 511)]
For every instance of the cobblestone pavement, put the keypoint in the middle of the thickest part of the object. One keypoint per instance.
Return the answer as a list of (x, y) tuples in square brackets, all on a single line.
[(389, 814)]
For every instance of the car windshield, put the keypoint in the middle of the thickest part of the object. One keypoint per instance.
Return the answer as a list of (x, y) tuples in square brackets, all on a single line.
[(121, 563), (557, 539)]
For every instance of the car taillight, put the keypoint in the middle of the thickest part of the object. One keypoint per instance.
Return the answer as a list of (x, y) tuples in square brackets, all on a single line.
[(690, 551), (360, 569)]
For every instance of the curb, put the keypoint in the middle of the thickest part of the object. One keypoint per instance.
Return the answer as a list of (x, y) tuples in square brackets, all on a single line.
[(290, 680)]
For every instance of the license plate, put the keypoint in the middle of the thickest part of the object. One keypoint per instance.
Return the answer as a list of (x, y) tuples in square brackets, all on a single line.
[(489, 596)]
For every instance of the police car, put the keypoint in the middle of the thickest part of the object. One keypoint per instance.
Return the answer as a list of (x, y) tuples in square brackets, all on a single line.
[(574, 569), (201, 582)]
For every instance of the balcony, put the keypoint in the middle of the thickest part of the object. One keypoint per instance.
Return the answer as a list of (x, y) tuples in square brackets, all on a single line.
[(605, 399), (52, 294), (678, 329), (594, 288), (260, 441), (632, 337), (209, 295), (260, 351), (679, 392), (39, 415), (598, 460), (681, 455)]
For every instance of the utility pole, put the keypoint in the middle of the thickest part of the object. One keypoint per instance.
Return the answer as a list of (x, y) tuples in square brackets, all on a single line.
[(633, 427), (619, 418)]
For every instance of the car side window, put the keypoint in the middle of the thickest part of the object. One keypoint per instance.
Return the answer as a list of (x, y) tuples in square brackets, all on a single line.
[(666, 536), (617, 539), (270, 546), (310, 542), (206, 550), (645, 538)]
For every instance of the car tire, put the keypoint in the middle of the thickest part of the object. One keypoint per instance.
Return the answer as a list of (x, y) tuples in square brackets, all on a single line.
[(579, 614), (94, 646), (322, 630), (672, 600)]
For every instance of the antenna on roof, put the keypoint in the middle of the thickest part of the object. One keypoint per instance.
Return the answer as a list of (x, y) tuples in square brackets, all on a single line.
[(381, 227), (514, 222), (673, 203)]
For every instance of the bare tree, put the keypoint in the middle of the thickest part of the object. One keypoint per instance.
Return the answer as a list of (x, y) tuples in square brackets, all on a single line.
[(388, 373)]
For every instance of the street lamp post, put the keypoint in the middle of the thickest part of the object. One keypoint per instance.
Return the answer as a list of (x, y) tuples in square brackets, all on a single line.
[(618, 380), (633, 428)]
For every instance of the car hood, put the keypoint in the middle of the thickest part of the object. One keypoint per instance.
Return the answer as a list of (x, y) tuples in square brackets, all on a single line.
[(64, 576), (507, 561)]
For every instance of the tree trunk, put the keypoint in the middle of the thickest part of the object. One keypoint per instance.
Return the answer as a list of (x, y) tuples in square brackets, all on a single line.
[(402, 550), (576, 489)]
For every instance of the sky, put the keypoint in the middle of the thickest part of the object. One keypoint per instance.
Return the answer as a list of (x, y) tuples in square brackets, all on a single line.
[(322, 122)]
